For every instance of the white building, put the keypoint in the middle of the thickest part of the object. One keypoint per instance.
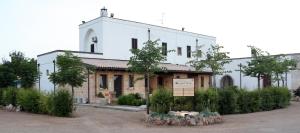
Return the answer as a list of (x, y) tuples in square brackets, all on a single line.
[(108, 40), (105, 42), (236, 78)]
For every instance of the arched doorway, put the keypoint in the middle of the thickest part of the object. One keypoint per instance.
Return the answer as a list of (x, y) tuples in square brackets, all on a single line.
[(226, 81)]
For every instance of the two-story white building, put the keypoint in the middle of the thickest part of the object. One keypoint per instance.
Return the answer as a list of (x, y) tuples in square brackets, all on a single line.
[(105, 43)]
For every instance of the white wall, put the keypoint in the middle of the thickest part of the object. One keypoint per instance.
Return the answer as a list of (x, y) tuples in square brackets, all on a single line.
[(46, 63), (115, 38), (250, 83)]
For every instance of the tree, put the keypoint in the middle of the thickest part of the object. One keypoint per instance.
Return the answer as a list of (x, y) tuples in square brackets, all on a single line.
[(281, 66), (146, 61), (260, 65), (70, 71), (215, 60), (18, 68), (7, 76), (264, 65)]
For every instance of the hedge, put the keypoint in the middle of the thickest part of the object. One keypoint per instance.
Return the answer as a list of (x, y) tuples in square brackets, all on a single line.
[(131, 99), (161, 100), (225, 101), (30, 100)]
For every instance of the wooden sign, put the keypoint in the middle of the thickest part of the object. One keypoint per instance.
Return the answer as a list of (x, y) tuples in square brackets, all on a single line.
[(183, 87)]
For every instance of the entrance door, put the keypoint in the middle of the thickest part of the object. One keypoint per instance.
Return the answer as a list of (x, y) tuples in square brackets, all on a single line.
[(118, 85)]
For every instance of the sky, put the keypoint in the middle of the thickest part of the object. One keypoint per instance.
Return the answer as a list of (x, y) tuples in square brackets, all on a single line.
[(38, 26)]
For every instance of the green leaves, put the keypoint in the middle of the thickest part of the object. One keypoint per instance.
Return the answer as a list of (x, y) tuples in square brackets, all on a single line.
[(18, 68), (70, 71), (147, 59), (264, 64)]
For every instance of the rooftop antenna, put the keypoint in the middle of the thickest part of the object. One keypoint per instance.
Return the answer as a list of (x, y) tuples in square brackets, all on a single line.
[(162, 18)]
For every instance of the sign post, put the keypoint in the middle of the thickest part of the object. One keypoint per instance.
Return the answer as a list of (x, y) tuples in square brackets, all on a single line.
[(183, 87)]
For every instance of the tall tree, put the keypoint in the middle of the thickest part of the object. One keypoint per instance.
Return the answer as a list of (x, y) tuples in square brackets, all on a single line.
[(18, 68), (71, 71), (146, 61), (215, 60), (281, 66), (260, 65)]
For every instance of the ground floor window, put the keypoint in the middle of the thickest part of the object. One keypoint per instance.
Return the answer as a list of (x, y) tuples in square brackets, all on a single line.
[(131, 81), (103, 81)]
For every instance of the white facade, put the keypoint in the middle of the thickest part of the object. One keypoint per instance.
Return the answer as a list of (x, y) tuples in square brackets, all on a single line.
[(291, 79), (111, 39), (114, 38)]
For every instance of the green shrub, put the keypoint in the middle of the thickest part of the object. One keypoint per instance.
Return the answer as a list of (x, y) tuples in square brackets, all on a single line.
[(281, 97), (161, 100), (131, 99), (62, 103), (248, 101), (267, 99), (9, 96), (29, 100), (206, 100), (228, 101), (45, 103), (255, 101), (183, 104), (1, 96)]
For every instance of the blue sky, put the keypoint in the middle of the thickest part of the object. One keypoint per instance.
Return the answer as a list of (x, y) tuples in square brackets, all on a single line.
[(39, 26)]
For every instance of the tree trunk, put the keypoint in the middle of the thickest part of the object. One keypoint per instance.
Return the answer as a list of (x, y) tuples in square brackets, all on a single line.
[(214, 81), (72, 92), (277, 79), (147, 92), (258, 81)]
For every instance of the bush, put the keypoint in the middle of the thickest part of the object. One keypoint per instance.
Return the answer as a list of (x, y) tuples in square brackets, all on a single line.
[(161, 100), (46, 103), (267, 99), (297, 92), (62, 103), (131, 99), (281, 97), (248, 101), (183, 104), (29, 100), (9, 96), (206, 100), (1, 96), (228, 101)]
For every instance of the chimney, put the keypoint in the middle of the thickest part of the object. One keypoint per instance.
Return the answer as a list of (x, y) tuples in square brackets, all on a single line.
[(182, 28), (253, 52), (112, 15), (103, 12), (83, 22)]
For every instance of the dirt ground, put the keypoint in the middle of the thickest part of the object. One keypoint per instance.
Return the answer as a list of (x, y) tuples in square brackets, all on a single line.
[(97, 120)]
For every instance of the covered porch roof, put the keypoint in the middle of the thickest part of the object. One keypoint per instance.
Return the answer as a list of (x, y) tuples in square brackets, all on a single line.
[(121, 65)]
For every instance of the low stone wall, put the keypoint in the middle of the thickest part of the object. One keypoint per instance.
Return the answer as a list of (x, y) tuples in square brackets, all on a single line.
[(201, 119)]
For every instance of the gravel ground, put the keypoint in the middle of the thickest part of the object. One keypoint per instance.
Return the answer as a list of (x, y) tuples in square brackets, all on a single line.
[(97, 120)]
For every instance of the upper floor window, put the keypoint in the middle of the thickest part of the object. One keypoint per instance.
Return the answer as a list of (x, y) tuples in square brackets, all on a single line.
[(164, 49), (188, 51), (179, 52), (131, 81), (92, 48), (134, 43)]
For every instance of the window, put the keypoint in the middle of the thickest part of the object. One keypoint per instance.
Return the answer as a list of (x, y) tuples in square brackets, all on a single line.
[(92, 48), (103, 81), (164, 49), (47, 72), (131, 81), (160, 81), (188, 51), (146, 81), (179, 53), (202, 81), (134, 43)]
